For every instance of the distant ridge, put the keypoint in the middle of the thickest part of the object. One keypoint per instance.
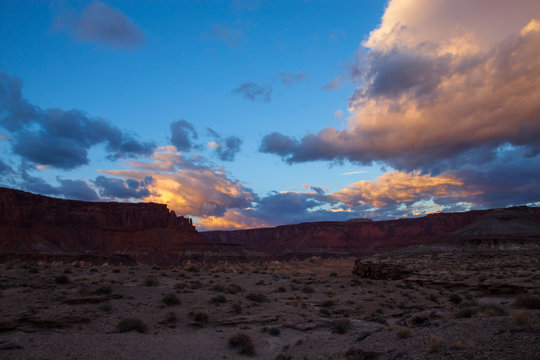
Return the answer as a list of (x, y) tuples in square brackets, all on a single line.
[(519, 225)]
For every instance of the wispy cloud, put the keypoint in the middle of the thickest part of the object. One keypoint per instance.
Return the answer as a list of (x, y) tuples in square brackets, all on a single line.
[(354, 172), (99, 23), (254, 92)]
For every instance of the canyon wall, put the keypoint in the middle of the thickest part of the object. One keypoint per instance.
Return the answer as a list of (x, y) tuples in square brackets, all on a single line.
[(147, 232), (346, 237)]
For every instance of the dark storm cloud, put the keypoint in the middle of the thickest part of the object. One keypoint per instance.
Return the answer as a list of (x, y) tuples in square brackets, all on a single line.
[(57, 137), (182, 135), (225, 148), (289, 79), (5, 169), (254, 92), (100, 23), (122, 189)]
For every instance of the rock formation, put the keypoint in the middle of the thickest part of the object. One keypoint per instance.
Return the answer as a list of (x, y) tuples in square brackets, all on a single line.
[(147, 232), (346, 237)]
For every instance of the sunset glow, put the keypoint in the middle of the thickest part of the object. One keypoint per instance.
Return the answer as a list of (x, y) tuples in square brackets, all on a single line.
[(385, 108)]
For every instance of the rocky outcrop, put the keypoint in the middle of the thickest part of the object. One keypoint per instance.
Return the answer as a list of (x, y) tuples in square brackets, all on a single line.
[(346, 237), (147, 232)]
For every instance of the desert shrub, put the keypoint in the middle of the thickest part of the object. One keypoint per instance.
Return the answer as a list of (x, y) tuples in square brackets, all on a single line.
[(528, 302), (218, 288), (403, 333), (192, 268), (341, 326), (170, 300), (106, 307), (281, 289), (61, 279), (151, 280), (328, 303), (260, 282), (234, 288), (466, 312), (333, 274), (68, 271), (131, 324), (274, 331), (308, 290), (200, 316), (33, 270), (324, 311), (116, 270), (196, 284), (521, 317), (455, 298), (220, 299), (170, 320), (491, 310), (236, 308), (435, 344), (243, 342), (257, 297), (103, 290)]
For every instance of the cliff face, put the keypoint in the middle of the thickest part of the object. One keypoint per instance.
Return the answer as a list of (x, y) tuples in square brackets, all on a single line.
[(145, 231), (347, 237)]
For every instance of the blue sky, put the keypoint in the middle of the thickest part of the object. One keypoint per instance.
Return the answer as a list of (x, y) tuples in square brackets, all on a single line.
[(281, 107)]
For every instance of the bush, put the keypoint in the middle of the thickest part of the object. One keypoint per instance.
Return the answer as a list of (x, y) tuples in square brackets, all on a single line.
[(200, 316), (308, 290), (341, 326), (236, 308), (455, 298), (103, 290), (435, 344), (220, 299), (521, 317), (528, 302), (257, 297), (170, 300), (403, 333), (243, 342), (328, 303), (62, 279), (234, 289), (131, 324), (151, 281)]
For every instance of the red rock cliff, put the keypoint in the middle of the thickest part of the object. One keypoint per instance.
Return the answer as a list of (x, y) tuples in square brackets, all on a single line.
[(146, 231), (346, 237)]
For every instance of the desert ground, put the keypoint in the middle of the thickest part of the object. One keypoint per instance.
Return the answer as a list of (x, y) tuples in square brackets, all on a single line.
[(446, 304)]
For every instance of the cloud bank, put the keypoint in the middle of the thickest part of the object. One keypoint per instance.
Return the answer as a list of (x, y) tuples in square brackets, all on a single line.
[(60, 138), (440, 82)]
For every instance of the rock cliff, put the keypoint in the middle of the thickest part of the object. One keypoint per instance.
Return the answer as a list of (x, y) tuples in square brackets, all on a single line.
[(147, 232), (346, 237)]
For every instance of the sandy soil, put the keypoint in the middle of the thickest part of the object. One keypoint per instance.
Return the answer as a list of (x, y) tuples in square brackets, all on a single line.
[(455, 305)]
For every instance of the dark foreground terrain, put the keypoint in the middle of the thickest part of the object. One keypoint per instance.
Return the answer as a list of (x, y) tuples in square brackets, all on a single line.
[(410, 304)]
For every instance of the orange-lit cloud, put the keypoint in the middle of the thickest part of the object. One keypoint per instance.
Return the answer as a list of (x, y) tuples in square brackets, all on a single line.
[(396, 187), (187, 187), (441, 83)]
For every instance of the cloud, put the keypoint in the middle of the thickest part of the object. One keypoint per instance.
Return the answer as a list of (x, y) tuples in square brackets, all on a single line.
[(254, 92), (440, 83), (338, 114), (188, 186), (289, 79), (230, 36), (123, 189), (182, 135), (334, 84), (225, 148), (57, 137), (99, 23), (77, 190)]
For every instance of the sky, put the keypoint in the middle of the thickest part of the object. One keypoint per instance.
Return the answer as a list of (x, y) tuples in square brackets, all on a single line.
[(253, 113)]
